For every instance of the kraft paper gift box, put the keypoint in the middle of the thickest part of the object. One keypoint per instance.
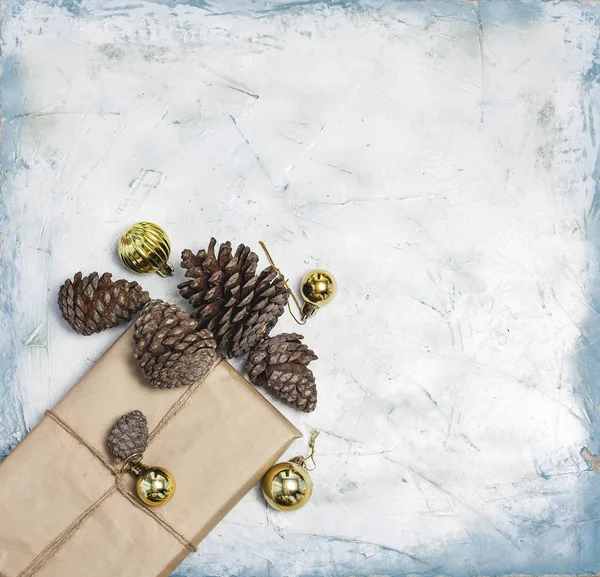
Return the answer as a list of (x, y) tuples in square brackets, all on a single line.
[(66, 512)]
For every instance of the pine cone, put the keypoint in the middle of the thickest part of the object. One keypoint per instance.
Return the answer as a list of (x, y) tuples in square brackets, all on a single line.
[(169, 349), (129, 436), (91, 304), (280, 364), (237, 305)]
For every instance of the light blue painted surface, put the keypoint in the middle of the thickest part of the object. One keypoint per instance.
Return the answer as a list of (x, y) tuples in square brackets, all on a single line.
[(481, 556), (11, 339), (589, 360)]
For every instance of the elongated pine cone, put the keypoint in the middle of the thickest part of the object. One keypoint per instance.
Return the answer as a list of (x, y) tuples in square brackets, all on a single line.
[(92, 303), (169, 349), (129, 436), (237, 305), (280, 364)]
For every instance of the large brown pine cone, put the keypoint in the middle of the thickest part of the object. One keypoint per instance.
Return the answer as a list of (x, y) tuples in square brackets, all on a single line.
[(169, 349), (129, 436), (239, 306), (280, 364), (91, 304)]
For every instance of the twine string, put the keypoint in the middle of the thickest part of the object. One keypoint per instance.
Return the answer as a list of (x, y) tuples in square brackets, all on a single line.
[(54, 546), (82, 441)]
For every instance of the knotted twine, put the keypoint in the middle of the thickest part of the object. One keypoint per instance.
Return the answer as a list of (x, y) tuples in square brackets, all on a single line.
[(54, 546)]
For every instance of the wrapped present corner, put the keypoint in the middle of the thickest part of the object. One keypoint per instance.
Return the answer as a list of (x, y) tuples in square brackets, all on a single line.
[(67, 510)]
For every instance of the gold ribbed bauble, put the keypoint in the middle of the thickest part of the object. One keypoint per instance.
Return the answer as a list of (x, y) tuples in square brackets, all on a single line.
[(318, 288), (155, 486), (145, 248), (287, 486)]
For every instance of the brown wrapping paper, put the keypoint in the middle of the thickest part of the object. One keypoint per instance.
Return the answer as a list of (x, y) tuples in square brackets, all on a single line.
[(220, 439)]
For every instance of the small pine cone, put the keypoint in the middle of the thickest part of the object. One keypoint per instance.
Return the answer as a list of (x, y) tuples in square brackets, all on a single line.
[(169, 349), (280, 364), (129, 436), (237, 305), (91, 304)]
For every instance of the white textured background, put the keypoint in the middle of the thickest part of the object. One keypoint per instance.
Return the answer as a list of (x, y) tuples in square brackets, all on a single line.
[(438, 158)]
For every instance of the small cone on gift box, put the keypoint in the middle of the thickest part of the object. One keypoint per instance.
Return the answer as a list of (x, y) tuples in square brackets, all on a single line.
[(169, 349), (93, 303), (230, 299), (129, 436), (127, 442), (280, 364)]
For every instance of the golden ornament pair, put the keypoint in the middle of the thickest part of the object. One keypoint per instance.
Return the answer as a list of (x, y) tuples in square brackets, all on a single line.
[(146, 248)]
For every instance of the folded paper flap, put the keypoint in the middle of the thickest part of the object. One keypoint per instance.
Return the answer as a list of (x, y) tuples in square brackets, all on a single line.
[(217, 439)]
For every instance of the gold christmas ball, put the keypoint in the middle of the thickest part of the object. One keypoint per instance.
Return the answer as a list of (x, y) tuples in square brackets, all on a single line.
[(155, 486), (145, 248), (319, 288), (287, 486)]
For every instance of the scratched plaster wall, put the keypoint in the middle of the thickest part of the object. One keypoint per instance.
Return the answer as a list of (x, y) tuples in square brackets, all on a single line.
[(440, 158)]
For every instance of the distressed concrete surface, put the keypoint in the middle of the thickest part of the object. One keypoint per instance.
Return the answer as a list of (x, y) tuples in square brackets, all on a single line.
[(439, 158)]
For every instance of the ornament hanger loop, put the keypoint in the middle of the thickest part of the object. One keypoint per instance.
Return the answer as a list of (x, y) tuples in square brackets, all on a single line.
[(301, 321), (318, 288), (132, 461), (303, 460), (313, 438)]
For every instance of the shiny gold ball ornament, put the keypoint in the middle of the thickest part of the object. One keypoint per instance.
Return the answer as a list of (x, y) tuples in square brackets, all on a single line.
[(155, 486), (318, 289), (145, 248), (287, 486)]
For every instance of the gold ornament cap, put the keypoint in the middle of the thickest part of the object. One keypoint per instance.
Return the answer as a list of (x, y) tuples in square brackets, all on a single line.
[(318, 288), (155, 486), (287, 486), (145, 248)]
